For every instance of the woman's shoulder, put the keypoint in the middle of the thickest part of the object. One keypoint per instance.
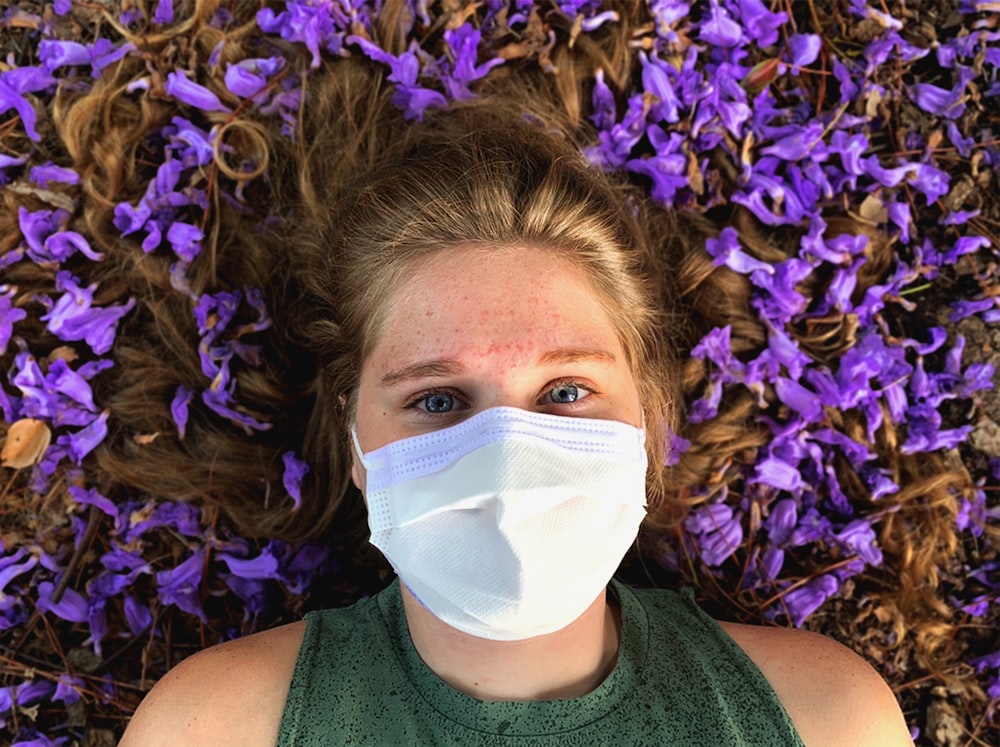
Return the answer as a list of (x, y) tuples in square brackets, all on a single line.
[(233, 693), (832, 695)]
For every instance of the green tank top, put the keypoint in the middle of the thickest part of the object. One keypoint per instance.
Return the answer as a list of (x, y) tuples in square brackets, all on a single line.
[(679, 680)]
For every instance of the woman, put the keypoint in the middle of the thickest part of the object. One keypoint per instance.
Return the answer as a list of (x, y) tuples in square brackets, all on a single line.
[(493, 350)]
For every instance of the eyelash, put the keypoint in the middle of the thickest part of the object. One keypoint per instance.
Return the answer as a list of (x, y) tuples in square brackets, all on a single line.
[(419, 397)]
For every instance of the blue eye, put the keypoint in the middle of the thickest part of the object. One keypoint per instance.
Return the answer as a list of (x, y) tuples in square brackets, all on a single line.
[(439, 402), (564, 394)]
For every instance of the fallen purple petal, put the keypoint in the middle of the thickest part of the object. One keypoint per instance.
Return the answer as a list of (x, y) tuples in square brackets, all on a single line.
[(194, 94)]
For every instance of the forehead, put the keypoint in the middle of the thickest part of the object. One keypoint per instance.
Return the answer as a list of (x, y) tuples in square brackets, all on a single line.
[(473, 300)]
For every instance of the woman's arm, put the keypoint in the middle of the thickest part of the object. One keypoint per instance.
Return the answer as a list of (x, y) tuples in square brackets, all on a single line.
[(232, 694), (833, 696)]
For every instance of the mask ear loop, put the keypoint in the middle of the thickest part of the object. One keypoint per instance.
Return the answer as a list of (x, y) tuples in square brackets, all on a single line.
[(362, 457)]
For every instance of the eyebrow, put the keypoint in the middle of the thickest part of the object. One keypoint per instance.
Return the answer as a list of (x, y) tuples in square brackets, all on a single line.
[(447, 367), (575, 355), (423, 370)]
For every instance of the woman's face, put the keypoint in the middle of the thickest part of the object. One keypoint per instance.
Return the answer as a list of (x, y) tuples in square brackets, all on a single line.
[(471, 329)]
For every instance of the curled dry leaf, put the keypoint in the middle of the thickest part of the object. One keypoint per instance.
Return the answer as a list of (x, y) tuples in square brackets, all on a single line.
[(62, 353), (145, 438), (27, 440), (873, 210)]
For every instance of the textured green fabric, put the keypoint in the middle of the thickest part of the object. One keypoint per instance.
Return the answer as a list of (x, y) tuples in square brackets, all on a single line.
[(679, 680)]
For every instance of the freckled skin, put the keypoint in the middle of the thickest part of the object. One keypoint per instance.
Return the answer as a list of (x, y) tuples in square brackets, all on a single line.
[(495, 313)]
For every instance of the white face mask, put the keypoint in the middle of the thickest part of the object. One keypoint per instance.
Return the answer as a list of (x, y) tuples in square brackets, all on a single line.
[(511, 523)]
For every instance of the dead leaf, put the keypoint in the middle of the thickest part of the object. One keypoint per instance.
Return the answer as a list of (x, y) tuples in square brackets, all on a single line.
[(872, 103), (746, 150), (695, 178), (22, 20), (459, 17), (55, 199), (145, 438), (944, 727), (62, 353), (27, 440), (873, 209)]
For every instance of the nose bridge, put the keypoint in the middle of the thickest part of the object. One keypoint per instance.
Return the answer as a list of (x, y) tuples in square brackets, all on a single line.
[(508, 380), (512, 389)]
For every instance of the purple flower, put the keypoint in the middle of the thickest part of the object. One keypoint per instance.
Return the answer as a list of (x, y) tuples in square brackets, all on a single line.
[(220, 400), (248, 77), (801, 142), (93, 498), (60, 395), (940, 101), (761, 24), (859, 537), (137, 615), (185, 240), (264, 566), (656, 80), (30, 693), (464, 45), (71, 606), (63, 244), (769, 199), (676, 447), (48, 172), (804, 48), (85, 440), (68, 689), (719, 29), (594, 22), (778, 474), (805, 600), (9, 316), (37, 226), (603, 100), (959, 309), (14, 84), (179, 409), (191, 144), (964, 245), (295, 471), (718, 545), (9, 162), (717, 348), (164, 12), (707, 518), (726, 250), (194, 94), (770, 563), (719, 532), (781, 521), (667, 168), (309, 23), (412, 98), (55, 54), (800, 399), (103, 52), (181, 585), (11, 568), (74, 317), (931, 181)]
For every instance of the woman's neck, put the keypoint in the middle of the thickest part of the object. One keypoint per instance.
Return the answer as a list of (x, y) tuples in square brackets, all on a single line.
[(565, 664)]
